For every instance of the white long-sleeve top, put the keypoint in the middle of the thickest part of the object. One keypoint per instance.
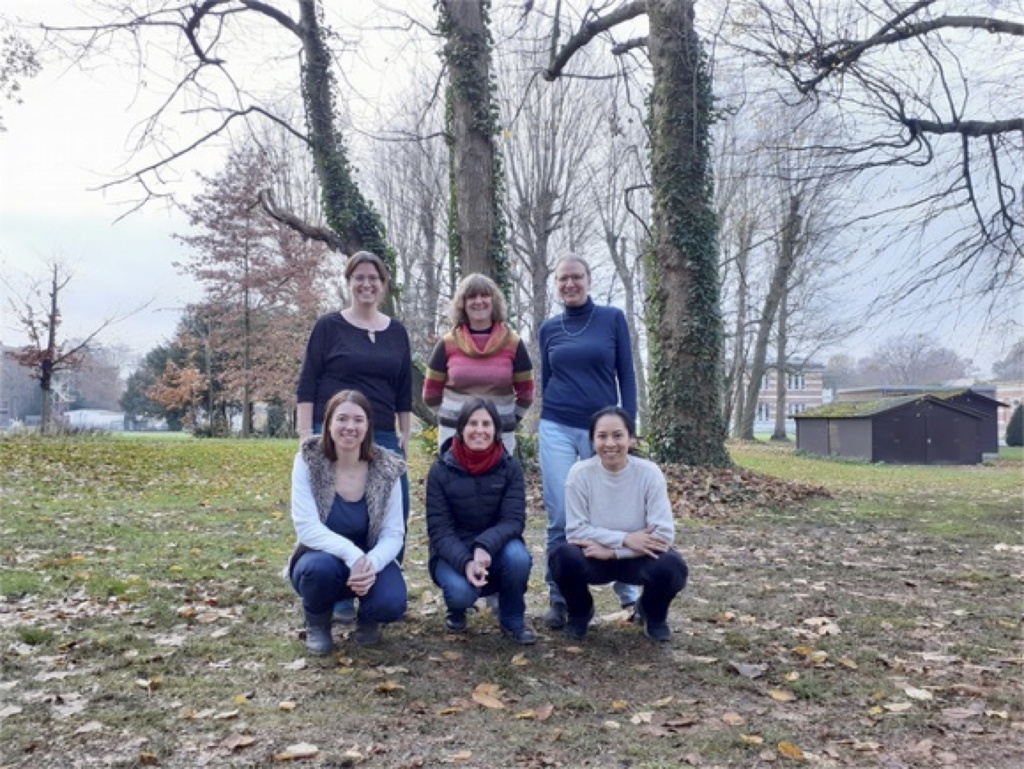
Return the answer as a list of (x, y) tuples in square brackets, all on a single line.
[(315, 535), (604, 506)]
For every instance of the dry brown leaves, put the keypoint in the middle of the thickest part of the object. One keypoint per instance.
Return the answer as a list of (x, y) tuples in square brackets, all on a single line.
[(716, 492)]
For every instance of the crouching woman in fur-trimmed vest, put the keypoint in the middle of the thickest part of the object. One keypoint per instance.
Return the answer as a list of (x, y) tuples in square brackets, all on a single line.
[(347, 512)]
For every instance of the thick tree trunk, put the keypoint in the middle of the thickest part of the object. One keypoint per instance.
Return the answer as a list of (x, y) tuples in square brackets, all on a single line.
[(479, 243), (684, 317)]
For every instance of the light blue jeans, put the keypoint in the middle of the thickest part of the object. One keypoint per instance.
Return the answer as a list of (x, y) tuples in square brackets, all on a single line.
[(560, 447), (508, 578)]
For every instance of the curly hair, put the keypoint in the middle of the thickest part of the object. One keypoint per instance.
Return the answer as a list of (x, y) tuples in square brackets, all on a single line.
[(476, 284)]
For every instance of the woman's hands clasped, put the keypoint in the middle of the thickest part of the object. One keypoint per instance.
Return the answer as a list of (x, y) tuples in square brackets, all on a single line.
[(361, 576)]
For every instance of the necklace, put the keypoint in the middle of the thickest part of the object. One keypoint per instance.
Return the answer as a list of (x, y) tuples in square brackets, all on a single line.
[(366, 325), (566, 331)]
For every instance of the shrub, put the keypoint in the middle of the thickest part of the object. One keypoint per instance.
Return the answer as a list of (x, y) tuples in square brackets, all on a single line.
[(1015, 430)]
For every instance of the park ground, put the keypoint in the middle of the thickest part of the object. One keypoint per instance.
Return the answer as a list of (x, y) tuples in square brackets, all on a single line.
[(838, 615)]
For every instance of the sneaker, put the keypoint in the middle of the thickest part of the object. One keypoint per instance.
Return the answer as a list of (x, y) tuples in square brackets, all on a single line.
[(318, 640), (576, 626), (523, 635), (455, 620), (555, 616), (657, 631), (345, 612), (367, 633)]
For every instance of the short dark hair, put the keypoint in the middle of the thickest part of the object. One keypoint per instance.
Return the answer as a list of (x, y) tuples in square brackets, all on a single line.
[(348, 396), (475, 404), (613, 411), (367, 257)]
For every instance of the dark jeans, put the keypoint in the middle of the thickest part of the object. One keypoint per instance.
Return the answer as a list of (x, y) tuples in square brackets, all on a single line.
[(662, 579), (508, 578), (321, 579)]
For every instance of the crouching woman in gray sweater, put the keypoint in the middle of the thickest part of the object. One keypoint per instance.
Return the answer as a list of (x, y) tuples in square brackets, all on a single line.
[(619, 527), (347, 512)]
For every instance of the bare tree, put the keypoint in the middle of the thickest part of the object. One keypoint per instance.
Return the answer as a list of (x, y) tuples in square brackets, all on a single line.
[(913, 359), (1011, 366), (37, 311), (548, 141), (916, 85), (619, 194)]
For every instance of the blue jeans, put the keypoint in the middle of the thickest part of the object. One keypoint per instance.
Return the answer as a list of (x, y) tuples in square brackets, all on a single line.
[(320, 578), (508, 578), (560, 447)]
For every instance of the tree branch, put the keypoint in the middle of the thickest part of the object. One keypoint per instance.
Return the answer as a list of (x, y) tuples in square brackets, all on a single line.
[(629, 45), (589, 31), (306, 230), (969, 128)]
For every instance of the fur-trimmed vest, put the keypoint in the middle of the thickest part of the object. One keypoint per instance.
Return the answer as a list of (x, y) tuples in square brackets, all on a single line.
[(385, 468)]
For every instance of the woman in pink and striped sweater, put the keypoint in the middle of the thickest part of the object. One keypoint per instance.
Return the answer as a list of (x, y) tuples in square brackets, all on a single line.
[(480, 357)]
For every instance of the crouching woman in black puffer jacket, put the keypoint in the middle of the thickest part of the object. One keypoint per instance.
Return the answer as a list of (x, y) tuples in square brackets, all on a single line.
[(476, 514)]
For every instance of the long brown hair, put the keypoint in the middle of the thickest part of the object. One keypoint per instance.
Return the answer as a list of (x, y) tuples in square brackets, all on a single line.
[(348, 396)]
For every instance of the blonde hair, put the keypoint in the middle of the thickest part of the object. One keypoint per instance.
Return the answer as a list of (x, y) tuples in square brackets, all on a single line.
[(572, 258), (476, 284)]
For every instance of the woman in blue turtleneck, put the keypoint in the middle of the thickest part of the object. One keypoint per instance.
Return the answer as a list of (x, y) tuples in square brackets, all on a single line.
[(586, 364)]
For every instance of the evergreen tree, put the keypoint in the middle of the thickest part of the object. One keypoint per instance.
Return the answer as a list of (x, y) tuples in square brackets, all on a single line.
[(1015, 429)]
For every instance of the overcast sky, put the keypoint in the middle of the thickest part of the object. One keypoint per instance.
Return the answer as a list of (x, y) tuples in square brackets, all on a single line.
[(70, 136), (64, 141)]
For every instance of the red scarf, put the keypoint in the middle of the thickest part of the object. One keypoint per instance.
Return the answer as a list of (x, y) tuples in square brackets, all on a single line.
[(477, 462)]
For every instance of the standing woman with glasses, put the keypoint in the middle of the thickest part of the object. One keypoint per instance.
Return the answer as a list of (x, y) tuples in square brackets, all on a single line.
[(360, 348), (586, 364)]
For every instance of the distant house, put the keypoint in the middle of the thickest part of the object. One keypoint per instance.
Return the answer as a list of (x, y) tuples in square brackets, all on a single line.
[(954, 427), (1012, 395), (804, 385)]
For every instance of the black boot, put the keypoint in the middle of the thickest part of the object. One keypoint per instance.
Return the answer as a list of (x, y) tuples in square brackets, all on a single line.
[(318, 633)]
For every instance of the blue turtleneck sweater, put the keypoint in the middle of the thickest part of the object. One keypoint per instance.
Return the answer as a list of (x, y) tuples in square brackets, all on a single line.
[(586, 364)]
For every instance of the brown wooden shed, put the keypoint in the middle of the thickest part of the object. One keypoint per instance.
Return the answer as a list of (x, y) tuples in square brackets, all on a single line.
[(913, 429)]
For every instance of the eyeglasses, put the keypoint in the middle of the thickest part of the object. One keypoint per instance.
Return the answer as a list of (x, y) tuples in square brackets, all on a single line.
[(576, 277)]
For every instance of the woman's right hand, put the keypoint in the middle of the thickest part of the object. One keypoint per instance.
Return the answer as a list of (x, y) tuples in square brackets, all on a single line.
[(476, 573), (646, 542), (361, 576)]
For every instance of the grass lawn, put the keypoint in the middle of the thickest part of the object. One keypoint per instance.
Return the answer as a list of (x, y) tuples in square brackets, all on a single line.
[(144, 622)]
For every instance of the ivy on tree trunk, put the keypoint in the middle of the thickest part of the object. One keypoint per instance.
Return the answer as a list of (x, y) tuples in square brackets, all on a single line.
[(684, 317)]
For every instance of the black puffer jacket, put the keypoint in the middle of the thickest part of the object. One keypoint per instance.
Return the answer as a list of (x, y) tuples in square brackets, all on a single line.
[(468, 511)]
